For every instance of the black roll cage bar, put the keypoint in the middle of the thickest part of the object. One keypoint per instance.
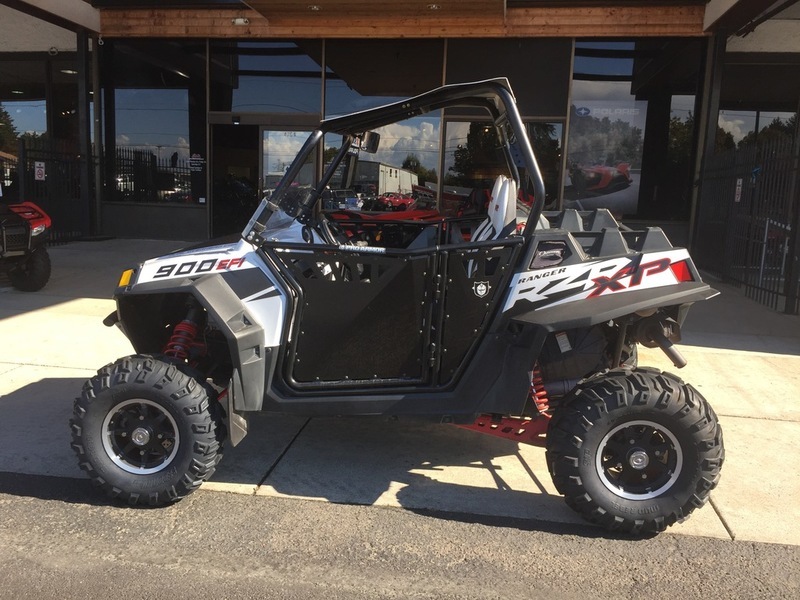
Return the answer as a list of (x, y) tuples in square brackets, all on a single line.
[(493, 95)]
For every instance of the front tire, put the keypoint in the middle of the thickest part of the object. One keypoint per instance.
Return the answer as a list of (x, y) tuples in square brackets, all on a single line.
[(144, 431), (33, 274), (635, 450)]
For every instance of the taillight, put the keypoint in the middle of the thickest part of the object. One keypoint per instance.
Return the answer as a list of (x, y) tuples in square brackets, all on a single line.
[(682, 271)]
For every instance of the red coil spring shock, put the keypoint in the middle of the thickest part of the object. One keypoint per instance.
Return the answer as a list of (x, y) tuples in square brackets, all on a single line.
[(538, 393), (182, 340)]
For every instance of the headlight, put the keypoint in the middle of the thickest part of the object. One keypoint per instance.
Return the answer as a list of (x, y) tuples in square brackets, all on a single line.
[(38, 229)]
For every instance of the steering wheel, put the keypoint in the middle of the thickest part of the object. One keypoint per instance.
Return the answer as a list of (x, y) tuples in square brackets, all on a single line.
[(331, 231)]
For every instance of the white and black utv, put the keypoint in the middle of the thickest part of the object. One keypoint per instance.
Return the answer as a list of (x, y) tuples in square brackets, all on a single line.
[(516, 323)]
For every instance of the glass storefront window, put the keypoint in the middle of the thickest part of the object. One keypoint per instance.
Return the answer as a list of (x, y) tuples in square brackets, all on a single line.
[(741, 127), (23, 109), (152, 146), (155, 121), (472, 162), (363, 74), (546, 139), (629, 145), (266, 77), (21, 117), (606, 141)]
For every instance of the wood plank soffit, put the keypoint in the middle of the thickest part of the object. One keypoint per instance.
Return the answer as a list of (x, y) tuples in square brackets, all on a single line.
[(610, 21)]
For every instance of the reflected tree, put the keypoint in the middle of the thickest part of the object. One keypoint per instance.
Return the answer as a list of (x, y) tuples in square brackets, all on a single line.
[(8, 133), (478, 159), (425, 175)]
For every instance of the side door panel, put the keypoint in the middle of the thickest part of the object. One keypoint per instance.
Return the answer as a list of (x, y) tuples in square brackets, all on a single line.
[(364, 318), (476, 280)]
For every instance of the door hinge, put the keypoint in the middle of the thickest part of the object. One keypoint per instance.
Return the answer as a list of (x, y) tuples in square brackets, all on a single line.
[(438, 288)]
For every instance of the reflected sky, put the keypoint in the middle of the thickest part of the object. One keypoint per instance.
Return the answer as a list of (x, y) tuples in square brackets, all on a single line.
[(28, 116)]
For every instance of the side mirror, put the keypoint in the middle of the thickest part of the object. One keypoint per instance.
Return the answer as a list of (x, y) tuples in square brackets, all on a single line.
[(370, 142)]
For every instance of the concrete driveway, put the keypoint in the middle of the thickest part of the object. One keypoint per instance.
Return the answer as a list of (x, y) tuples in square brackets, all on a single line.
[(744, 358)]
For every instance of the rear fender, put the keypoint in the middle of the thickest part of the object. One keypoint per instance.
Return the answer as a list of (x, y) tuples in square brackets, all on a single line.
[(583, 293), (600, 310)]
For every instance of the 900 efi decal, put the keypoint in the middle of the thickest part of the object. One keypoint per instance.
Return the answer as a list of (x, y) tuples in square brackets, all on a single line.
[(559, 285), (195, 263), (197, 267)]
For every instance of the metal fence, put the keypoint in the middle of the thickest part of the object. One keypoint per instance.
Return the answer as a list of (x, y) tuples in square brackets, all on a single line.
[(144, 176), (747, 221), (48, 174)]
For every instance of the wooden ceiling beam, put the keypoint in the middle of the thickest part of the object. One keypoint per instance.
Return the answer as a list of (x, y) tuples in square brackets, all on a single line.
[(370, 8), (611, 21)]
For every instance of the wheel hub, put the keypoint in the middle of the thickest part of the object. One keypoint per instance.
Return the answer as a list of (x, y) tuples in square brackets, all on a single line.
[(639, 460), (140, 436)]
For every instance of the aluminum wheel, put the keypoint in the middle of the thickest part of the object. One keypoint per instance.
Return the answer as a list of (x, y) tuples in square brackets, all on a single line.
[(639, 460), (140, 436)]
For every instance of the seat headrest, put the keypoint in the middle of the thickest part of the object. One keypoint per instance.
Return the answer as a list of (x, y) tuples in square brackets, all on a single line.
[(503, 207)]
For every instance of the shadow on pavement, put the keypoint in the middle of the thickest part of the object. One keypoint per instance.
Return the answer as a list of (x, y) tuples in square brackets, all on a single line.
[(416, 466), (423, 467), (44, 487)]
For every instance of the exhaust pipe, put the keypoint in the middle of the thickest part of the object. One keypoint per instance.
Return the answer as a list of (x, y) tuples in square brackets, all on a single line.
[(652, 332)]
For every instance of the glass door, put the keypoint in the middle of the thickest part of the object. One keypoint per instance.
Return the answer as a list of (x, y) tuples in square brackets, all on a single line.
[(234, 177), (278, 149)]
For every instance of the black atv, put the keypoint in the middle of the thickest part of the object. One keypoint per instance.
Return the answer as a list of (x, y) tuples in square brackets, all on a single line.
[(24, 228), (518, 323)]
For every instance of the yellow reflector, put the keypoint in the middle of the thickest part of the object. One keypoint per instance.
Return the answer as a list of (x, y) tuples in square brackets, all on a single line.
[(125, 278)]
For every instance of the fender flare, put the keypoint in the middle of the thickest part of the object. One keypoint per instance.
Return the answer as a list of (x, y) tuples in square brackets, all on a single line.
[(244, 336)]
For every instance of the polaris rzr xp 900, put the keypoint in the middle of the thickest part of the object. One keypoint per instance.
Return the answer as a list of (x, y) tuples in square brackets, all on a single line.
[(518, 323)]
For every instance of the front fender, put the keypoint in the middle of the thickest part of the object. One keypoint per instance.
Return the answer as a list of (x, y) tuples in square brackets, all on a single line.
[(146, 311)]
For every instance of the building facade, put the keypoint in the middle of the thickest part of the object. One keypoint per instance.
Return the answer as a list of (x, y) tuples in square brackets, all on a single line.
[(171, 119)]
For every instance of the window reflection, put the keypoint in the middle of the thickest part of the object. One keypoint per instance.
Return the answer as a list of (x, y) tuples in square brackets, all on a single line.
[(604, 153), (363, 74), (24, 118), (273, 77), (546, 142), (278, 149), (152, 146), (400, 176), (473, 160), (155, 121)]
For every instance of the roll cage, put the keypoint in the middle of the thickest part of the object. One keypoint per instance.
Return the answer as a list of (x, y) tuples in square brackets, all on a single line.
[(494, 96)]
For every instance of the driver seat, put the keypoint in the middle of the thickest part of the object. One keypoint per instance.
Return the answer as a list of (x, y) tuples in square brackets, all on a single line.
[(501, 218)]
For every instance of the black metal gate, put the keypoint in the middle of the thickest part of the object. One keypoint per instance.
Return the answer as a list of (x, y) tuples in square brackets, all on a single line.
[(747, 221), (49, 175)]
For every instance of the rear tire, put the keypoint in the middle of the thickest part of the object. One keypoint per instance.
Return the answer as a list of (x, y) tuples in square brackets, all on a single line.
[(144, 431), (33, 274), (635, 450)]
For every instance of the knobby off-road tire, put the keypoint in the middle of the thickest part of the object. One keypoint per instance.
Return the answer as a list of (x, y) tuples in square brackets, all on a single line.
[(145, 431), (635, 450), (33, 274)]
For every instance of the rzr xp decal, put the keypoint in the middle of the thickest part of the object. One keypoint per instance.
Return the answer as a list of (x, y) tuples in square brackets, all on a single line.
[(616, 282), (551, 287)]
